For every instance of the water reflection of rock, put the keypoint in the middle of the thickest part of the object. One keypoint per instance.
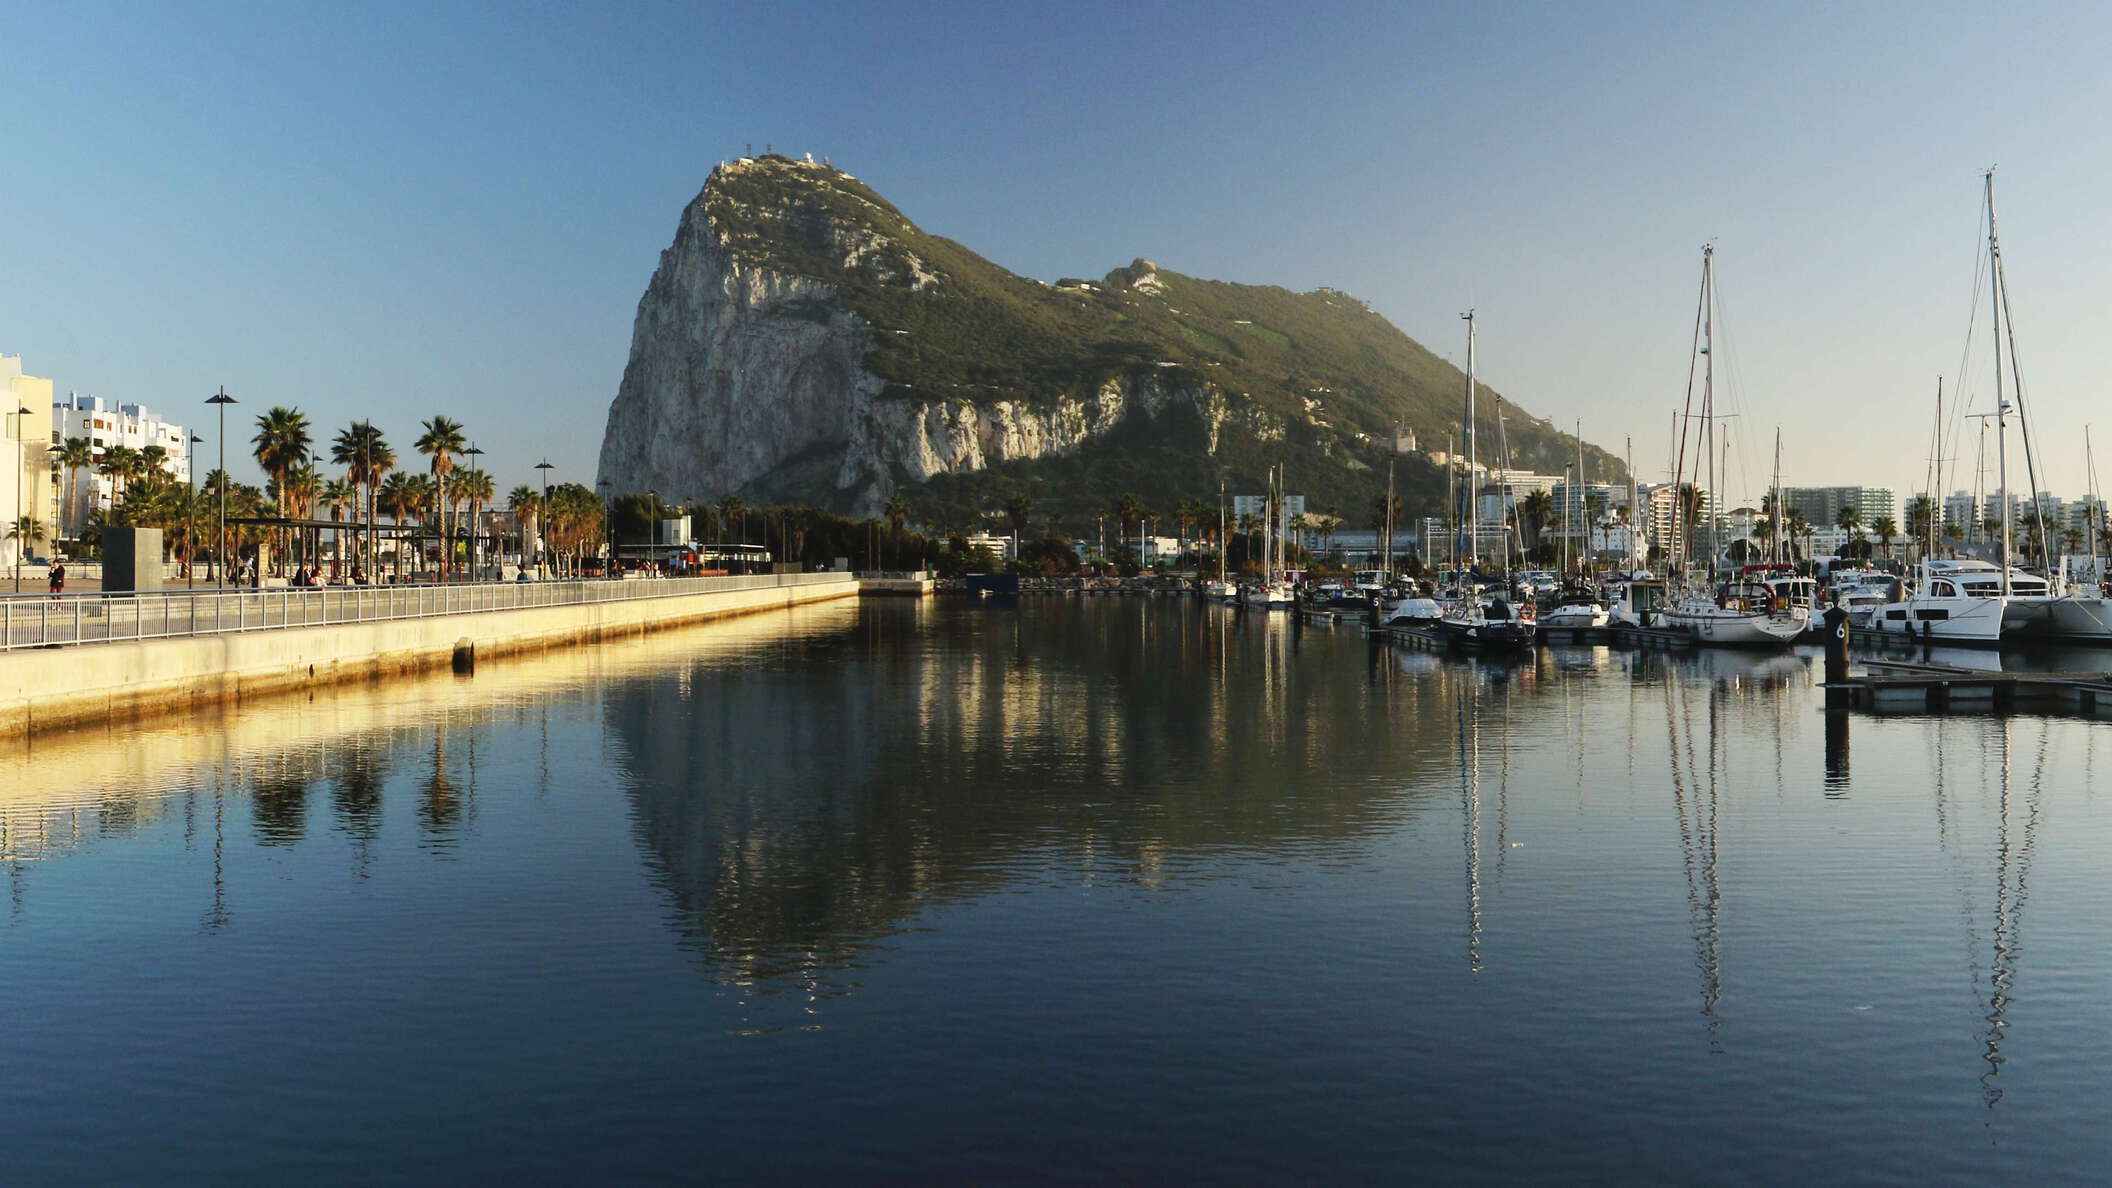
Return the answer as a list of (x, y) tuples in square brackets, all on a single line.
[(802, 807)]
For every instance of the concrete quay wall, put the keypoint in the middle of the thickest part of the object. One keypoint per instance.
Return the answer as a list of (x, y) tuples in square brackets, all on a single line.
[(54, 688)]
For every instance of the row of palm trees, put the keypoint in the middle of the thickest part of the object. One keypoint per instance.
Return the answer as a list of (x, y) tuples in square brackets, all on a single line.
[(145, 493)]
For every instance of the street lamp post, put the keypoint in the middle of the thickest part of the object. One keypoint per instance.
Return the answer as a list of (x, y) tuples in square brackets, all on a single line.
[(608, 525), (190, 515), (474, 453), (222, 399), (542, 522), (21, 473)]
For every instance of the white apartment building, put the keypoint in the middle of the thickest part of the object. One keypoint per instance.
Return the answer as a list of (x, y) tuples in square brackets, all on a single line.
[(106, 424), (25, 479)]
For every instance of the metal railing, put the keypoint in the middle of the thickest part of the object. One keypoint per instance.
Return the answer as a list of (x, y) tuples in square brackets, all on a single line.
[(47, 621)]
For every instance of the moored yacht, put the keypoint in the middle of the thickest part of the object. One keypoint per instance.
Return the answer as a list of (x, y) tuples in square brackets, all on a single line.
[(1577, 607), (1745, 613), (1965, 601), (1489, 623)]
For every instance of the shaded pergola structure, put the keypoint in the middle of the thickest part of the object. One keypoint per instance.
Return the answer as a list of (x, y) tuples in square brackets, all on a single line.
[(401, 533)]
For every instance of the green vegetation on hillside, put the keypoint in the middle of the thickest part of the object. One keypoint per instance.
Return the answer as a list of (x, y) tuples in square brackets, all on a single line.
[(951, 325)]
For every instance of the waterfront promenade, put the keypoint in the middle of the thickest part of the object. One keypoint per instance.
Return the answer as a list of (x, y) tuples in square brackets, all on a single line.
[(77, 659)]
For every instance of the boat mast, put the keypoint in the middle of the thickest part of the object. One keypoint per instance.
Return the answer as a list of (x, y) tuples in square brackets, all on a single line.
[(1221, 542), (1387, 549), (1708, 398), (1584, 546), (1775, 506), (1994, 297), (1634, 511), (1473, 542), (2090, 502), (1504, 506), (1451, 500), (1268, 534), (1935, 470)]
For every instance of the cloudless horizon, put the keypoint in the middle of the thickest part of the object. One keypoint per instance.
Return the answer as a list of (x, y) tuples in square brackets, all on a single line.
[(389, 211)]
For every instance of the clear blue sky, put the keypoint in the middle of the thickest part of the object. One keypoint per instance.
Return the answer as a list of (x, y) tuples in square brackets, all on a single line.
[(387, 210)]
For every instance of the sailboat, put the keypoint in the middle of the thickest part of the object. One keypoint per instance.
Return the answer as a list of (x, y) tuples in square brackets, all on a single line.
[(1477, 619), (1744, 611), (1272, 592), (1973, 602), (1221, 590), (1577, 604)]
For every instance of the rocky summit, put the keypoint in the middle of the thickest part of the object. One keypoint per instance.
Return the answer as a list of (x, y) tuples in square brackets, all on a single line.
[(803, 341)]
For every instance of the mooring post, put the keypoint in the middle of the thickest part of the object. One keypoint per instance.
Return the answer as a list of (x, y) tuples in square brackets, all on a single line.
[(1836, 620)]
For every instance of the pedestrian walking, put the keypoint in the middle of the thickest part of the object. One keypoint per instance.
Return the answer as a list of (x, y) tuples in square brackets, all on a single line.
[(58, 579)]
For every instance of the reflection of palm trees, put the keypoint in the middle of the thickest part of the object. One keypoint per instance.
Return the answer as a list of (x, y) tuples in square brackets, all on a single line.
[(355, 799), (439, 807), (278, 802)]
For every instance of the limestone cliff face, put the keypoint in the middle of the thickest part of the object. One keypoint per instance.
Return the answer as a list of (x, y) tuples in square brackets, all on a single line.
[(747, 379)]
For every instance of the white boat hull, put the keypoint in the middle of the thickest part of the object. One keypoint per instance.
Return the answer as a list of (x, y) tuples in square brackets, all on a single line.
[(1985, 622), (1576, 616), (2082, 619), (1718, 627)]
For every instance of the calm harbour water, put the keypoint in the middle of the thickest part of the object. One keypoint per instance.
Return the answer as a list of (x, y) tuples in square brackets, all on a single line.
[(1068, 890)]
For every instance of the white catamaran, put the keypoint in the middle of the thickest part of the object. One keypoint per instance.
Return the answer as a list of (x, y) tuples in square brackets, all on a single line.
[(1974, 602)]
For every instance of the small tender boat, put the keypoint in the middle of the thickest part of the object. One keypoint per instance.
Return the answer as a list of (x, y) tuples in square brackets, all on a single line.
[(1492, 623), (1413, 612)]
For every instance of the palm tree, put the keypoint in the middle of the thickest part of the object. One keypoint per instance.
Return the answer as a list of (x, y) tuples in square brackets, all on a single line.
[(526, 505), (26, 531), (1799, 529), (366, 455), (734, 515), (1129, 513), (1921, 514), (295, 493), (1848, 520), (1018, 509), (337, 495), (475, 486), (73, 456), (1764, 528), (897, 510), (396, 499), (1535, 510), (425, 503), (1886, 529), (442, 440), (119, 464), (282, 443)]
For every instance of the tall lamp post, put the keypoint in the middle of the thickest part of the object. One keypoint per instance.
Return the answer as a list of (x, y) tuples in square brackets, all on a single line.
[(222, 399), (542, 522), (474, 453), (608, 525), (190, 515)]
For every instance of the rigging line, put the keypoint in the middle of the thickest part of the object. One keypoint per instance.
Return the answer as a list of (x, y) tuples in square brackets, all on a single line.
[(1964, 394), (1679, 465), (2031, 469)]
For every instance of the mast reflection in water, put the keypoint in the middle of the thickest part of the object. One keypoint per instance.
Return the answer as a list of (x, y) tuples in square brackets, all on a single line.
[(1068, 889)]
